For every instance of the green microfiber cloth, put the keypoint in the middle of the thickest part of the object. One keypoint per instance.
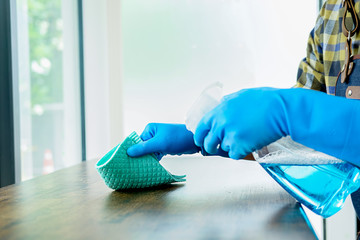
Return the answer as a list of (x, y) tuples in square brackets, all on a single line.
[(120, 171)]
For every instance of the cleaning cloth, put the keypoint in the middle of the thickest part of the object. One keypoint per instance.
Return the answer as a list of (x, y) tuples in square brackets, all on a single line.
[(119, 171)]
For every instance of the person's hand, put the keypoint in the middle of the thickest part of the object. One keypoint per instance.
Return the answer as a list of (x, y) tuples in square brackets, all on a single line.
[(243, 122), (251, 119), (162, 139)]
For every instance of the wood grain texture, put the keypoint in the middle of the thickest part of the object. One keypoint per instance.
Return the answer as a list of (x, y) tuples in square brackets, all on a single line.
[(222, 199)]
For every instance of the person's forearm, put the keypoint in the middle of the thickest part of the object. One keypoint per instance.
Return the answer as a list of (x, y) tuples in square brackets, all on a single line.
[(325, 123)]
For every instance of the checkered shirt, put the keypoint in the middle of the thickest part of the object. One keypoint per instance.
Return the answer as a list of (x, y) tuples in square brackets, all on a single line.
[(325, 49)]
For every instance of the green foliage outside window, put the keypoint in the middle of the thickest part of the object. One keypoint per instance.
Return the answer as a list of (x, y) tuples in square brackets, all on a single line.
[(46, 44)]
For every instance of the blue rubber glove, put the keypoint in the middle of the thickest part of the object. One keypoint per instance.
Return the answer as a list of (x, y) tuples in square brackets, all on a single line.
[(162, 139), (243, 122), (253, 118)]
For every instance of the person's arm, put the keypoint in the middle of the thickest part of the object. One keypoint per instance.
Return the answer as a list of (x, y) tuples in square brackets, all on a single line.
[(253, 118)]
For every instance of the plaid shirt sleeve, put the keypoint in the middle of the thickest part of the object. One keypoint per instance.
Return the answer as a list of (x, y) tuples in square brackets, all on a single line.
[(311, 70)]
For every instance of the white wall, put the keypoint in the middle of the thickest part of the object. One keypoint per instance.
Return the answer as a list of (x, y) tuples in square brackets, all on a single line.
[(103, 97), (170, 50), (173, 49)]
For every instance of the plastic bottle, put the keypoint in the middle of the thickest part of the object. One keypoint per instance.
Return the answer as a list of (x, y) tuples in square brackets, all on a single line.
[(208, 99), (320, 182)]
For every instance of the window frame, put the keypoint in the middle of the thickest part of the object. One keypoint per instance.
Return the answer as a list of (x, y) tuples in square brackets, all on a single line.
[(82, 79), (7, 113)]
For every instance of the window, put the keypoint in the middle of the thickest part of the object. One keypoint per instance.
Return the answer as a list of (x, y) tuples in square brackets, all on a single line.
[(49, 85)]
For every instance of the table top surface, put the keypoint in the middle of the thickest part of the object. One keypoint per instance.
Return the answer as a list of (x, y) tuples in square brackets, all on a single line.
[(221, 199)]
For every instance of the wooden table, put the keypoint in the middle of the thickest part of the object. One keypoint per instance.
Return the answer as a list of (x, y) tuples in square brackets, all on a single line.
[(222, 199)]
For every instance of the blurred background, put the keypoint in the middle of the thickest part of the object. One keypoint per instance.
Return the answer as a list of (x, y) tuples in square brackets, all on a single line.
[(172, 50), (145, 61)]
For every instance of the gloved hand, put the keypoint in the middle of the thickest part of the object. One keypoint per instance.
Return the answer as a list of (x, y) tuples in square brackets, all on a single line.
[(162, 139), (243, 122), (253, 118)]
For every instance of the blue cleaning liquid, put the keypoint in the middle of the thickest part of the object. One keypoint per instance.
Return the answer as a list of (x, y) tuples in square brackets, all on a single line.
[(322, 188)]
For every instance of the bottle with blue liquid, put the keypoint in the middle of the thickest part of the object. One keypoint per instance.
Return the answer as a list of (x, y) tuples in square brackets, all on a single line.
[(320, 182)]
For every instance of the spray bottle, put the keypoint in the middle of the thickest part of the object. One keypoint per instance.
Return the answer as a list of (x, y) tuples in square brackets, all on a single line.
[(320, 182)]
